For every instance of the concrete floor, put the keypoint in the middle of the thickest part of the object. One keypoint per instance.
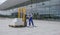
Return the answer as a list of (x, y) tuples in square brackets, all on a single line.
[(42, 28)]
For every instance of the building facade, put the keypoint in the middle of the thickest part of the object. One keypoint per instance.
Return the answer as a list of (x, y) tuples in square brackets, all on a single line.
[(50, 9)]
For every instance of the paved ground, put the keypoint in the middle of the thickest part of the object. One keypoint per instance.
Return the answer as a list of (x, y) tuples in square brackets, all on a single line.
[(42, 28)]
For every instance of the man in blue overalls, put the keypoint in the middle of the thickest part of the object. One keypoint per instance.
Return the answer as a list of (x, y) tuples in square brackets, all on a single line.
[(31, 20)]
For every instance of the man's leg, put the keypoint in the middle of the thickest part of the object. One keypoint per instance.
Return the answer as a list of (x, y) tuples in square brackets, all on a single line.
[(32, 22), (29, 23)]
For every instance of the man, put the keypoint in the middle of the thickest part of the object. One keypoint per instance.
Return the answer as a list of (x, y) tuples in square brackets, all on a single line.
[(31, 20)]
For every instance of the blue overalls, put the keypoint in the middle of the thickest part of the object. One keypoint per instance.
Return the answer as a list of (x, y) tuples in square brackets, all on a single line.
[(31, 21)]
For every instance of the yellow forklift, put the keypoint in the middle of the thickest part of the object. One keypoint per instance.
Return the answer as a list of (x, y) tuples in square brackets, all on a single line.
[(21, 20)]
